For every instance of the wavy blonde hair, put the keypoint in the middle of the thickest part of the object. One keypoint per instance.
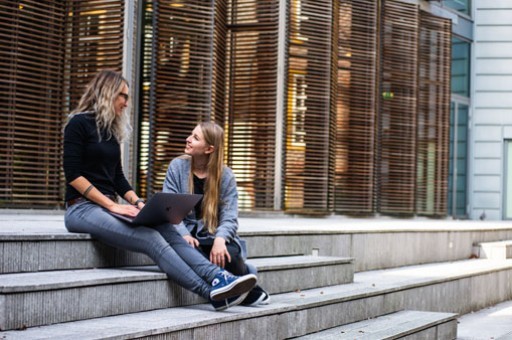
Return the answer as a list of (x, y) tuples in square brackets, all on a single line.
[(99, 97), (213, 135)]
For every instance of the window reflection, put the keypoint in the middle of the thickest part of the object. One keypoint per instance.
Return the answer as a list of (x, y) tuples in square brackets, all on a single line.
[(463, 6), (460, 67)]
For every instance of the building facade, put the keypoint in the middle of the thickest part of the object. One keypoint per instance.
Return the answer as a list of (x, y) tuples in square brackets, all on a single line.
[(330, 107)]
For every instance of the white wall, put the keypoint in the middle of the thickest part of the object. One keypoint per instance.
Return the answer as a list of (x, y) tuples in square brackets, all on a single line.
[(491, 121)]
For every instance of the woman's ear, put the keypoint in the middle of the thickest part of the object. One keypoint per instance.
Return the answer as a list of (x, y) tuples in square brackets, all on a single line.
[(209, 150)]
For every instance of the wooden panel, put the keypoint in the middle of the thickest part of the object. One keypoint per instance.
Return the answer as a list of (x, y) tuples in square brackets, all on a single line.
[(46, 74), (399, 106), (178, 83), (356, 106), (433, 115), (310, 116), (31, 100), (95, 30), (252, 42)]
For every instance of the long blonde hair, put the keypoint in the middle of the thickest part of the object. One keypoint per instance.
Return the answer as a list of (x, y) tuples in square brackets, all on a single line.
[(99, 97), (213, 135)]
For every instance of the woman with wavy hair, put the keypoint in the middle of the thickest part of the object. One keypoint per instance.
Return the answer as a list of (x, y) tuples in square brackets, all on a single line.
[(94, 178), (212, 226)]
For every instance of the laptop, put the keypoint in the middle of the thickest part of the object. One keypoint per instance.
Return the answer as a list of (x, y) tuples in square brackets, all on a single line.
[(162, 208)]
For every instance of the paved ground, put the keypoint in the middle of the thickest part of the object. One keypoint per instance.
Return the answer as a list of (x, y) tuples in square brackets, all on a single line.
[(489, 323)]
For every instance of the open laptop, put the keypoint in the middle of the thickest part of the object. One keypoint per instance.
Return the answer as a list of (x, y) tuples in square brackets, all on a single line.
[(162, 208)]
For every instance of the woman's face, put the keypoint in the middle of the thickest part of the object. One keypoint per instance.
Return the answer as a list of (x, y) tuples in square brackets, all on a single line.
[(196, 144), (122, 100)]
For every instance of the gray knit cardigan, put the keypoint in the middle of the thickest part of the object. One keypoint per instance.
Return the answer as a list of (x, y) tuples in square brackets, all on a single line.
[(176, 181)]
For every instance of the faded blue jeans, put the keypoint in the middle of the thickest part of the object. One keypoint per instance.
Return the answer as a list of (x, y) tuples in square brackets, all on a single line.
[(163, 244)]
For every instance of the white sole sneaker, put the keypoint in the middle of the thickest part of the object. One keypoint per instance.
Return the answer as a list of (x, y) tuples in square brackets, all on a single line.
[(219, 306), (241, 285)]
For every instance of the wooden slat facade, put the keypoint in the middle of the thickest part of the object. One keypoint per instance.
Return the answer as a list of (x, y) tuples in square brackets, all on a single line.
[(178, 92), (433, 115), (356, 107), (251, 69), (366, 97), (396, 135), (45, 75), (94, 31), (308, 171)]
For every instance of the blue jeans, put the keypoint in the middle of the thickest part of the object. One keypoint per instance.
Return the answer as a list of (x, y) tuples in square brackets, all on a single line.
[(163, 244)]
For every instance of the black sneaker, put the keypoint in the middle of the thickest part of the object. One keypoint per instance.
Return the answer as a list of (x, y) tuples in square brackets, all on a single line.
[(257, 296), (225, 304)]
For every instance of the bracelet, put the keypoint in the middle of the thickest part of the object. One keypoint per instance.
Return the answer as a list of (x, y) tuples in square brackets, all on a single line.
[(86, 192), (140, 200)]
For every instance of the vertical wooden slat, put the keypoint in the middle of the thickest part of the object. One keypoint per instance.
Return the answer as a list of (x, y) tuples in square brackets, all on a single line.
[(309, 116), (396, 167), (219, 68), (144, 105), (252, 43), (45, 78), (181, 86), (31, 99), (356, 106), (433, 115), (95, 42)]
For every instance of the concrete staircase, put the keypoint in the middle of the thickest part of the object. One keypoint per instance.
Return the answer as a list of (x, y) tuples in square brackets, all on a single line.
[(57, 285)]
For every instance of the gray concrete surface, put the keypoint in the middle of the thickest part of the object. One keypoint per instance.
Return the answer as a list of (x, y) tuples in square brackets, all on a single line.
[(435, 287), (489, 323), (403, 324), (375, 243), (37, 221)]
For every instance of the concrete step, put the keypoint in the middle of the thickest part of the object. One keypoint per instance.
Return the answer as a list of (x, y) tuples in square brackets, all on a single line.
[(500, 250), (40, 298), (457, 287), (35, 242), (399, 325)]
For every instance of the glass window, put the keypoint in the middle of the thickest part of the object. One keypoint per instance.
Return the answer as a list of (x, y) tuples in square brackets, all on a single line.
[(463, 6), (460, 67), (507, 213), (457, 188)]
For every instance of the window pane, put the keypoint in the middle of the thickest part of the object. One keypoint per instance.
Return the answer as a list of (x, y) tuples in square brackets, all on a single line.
[(508, 174), (460, 67), (463, 6), (458, 160)]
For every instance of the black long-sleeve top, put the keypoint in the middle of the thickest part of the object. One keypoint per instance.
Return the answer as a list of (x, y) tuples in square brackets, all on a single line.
[(84, 155)]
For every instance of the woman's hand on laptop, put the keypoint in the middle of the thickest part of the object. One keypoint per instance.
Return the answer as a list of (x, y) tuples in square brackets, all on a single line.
[(125, 209)]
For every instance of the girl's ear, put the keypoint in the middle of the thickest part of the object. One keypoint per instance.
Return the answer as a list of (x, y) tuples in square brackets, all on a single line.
[(209, 150)]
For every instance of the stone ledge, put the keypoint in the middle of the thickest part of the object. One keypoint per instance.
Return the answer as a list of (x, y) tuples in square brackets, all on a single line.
[(393, 326), (32, 299), (457, 287)]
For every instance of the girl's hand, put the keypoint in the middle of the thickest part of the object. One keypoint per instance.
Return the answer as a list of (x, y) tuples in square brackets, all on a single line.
[(125, 209), (219, 252), (192, 241)]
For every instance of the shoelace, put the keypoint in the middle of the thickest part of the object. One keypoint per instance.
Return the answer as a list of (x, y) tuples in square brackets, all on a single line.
[(227, 275)]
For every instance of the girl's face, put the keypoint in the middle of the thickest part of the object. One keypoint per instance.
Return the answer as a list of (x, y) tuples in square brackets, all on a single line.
[(196, 144), (122, 100)]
